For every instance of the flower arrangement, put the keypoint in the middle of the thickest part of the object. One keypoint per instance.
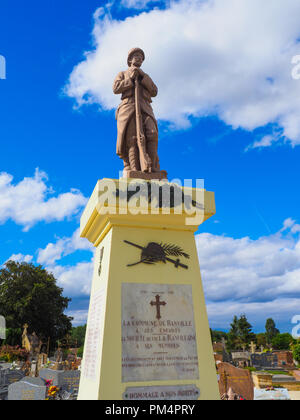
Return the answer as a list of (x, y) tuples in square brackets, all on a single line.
[(12, 354), (52, 391)]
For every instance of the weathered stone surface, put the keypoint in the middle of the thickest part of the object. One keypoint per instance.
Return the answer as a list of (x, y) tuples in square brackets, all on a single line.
[(33, 381), (94, 331), (66, 380), (158, 333), (25, 391), (52, 375), (8, 377), (296, 374), (262, 379), (70, 381), (238, 380), (264, 360), (283, 378)]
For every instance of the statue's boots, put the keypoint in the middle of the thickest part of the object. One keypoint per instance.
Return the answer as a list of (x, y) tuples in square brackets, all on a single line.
[(126, 164), (152, 144), (133, 155)]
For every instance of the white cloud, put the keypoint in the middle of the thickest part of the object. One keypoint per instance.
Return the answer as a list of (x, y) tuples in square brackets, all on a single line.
[(75, 280), (63, 247), (80, 316), (258, 277), (281, 310), (209, 57), (266, 141), (28, 202), (21, 258), (138, 4)]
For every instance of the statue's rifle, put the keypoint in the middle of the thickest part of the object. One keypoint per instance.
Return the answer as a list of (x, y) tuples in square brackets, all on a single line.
[(145, 161)]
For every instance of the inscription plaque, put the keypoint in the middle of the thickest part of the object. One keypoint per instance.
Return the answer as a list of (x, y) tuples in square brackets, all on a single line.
[(93, 335), (180, 392), (158, 333)]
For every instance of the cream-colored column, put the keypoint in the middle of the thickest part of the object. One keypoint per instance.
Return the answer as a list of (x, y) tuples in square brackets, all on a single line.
[(147, 334)]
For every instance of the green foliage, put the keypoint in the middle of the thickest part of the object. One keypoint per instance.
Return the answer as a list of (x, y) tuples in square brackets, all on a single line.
[(271, 330), (78, 335), (278, 372), (261, 339), (232, 338), (29, 294), (282, 341), (240, 333), (251, 369), (13, 337), (296, 351), (11, 354), (80, 352)]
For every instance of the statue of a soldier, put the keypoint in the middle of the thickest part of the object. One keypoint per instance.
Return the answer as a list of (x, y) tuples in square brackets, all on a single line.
[(137, 127)]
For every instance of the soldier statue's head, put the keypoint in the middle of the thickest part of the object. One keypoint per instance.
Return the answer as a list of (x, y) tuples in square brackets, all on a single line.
[(136, 56)]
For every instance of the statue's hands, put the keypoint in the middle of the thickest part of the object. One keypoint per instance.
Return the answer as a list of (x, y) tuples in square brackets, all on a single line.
[(135, 72), (141, 73)]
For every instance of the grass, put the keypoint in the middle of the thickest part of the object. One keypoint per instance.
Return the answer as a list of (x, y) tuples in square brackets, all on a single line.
[(277, 372)]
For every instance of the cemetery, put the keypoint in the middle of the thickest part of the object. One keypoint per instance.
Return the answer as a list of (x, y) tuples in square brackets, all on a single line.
[(252, 373), (36, 376)]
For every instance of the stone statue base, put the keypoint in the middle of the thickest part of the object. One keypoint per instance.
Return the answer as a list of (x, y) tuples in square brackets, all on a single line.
[(146, 175)]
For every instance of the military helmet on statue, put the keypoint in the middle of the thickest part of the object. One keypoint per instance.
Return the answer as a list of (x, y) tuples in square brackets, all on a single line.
[(133, 51)]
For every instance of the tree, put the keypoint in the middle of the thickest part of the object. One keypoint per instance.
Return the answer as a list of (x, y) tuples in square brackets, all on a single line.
[(232, 341), (29, 294), (78, 335), (217, 336), (245, 332), (13, 337), (282, 341), (271, 330), (261, 339), (240, 333)]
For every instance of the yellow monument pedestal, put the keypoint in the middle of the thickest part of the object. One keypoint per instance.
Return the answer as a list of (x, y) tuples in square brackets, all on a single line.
[(147, 335)]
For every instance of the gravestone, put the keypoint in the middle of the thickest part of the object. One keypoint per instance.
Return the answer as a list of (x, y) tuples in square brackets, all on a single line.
[(14, 376), (4, 365), (70, 381), (65, 380), (26, 391), (3, 384), (264, 360), (52, 375), (33, 381), (238, 380), (283, 378)]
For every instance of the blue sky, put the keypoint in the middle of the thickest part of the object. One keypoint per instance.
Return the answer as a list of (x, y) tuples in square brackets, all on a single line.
[(228, 111)]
